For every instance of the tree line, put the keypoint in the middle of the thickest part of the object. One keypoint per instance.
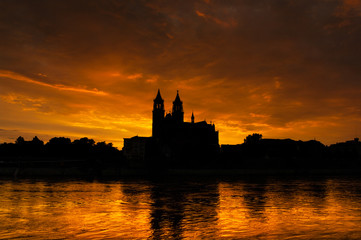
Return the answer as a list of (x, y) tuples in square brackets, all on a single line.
[(254, 153), (257, 152), (58, 148)]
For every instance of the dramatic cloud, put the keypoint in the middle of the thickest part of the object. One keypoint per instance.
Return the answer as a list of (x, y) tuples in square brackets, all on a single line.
[(92, 68), (14, 76)]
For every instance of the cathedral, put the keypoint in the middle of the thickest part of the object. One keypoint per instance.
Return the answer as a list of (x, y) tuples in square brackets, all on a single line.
[(174, 142)]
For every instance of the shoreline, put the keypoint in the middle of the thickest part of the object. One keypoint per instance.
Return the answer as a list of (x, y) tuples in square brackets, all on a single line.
[(76, 172)]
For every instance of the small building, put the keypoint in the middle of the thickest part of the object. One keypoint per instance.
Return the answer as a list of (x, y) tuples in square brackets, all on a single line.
[(136, 150), (347, 150)]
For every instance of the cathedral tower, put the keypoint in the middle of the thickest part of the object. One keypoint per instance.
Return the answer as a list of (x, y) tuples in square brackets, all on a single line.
[(158, 114), (177, 112)]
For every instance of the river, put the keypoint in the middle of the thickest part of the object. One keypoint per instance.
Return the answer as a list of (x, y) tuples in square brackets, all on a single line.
[(190, 208)]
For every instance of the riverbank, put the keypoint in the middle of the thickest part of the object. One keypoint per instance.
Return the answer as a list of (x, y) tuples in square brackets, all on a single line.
[(116, 172)]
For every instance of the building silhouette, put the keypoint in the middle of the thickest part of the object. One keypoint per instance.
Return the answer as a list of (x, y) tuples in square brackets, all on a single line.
[(174, 142)]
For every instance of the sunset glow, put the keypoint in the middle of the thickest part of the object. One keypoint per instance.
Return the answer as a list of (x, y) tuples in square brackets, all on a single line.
[(285, 69)]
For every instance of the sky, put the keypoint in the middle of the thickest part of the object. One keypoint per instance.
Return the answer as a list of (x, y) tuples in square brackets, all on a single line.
[(86, 68)]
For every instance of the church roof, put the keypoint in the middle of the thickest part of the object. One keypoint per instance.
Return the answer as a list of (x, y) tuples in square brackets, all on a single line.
[(177, 98), (158, 98)]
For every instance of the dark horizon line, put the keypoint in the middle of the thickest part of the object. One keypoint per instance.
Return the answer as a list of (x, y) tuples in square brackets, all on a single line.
[(356, 139)]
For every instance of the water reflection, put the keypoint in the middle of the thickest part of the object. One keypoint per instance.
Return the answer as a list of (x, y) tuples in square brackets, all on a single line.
[(167, 211), (186, 209), (180, 209), (255, 199)]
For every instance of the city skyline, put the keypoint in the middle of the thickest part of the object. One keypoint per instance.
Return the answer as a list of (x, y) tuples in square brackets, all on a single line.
[(284, 69)]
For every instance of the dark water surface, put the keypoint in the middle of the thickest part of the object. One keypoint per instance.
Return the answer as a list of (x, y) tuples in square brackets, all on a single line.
[(266, 208)]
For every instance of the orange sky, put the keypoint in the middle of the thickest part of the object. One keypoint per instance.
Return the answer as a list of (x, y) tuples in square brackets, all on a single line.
[(286, 69)]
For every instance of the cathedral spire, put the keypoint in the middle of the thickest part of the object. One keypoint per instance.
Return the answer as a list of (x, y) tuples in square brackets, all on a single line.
[(192, 118), (177, 112), (177, 98), (158, 98), (158, 114)]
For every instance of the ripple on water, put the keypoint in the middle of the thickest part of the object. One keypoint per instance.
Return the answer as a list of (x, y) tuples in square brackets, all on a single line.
[(328, 208)]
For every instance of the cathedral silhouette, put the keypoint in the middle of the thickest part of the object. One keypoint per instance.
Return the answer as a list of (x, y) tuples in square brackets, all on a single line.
[(174, 143)]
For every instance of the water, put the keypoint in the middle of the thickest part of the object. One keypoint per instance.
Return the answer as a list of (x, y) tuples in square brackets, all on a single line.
[(268, 208)]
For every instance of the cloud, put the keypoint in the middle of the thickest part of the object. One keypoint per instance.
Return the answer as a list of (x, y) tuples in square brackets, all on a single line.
[(18, 77), (229, 23), (28, 103), (271, 66)]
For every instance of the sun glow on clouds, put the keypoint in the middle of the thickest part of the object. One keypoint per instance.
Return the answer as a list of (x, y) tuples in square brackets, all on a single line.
[(69, 111), (88, 121), (28, 103), (61, 87)]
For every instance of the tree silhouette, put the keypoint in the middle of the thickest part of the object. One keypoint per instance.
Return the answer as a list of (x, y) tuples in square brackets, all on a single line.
[(20, 140), (37, 141), (84, 141), (59, 141), (254, 138)]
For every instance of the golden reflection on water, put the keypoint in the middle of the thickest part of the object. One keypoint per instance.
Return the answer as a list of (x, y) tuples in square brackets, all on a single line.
[(189, 209)]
